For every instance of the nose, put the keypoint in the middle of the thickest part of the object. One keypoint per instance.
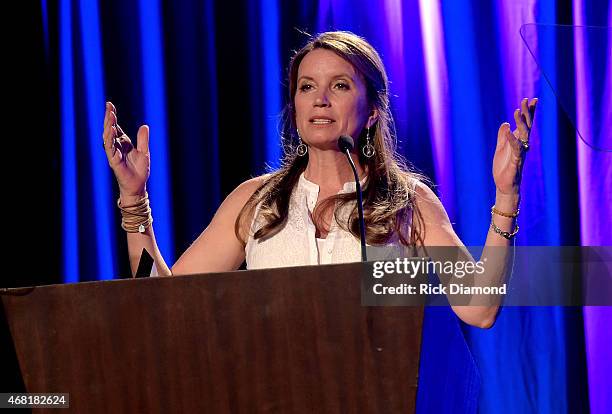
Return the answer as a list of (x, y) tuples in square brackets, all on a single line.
[(321, 100)]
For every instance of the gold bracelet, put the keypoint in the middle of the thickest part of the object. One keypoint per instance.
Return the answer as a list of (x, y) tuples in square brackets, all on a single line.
[(501, 213), (137, 217)]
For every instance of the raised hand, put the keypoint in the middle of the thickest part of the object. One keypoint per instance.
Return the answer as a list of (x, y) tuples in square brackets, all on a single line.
[(131, 165), (512, 148)]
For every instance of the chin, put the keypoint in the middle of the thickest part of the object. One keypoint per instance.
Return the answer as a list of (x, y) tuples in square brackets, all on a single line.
[(328, 142)]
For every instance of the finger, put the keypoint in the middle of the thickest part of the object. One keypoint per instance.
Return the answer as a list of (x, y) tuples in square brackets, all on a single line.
[(525, 112), (110, 146), (521, 125), (107, 136), (114, 140), (115, 153), (502, 135), (106, 113), (532, 108), (111, 110), (109, 133), (142, 139), (114, 144), (515, 143), (111, 120)]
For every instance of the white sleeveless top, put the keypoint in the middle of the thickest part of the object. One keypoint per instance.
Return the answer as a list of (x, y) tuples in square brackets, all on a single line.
[(295, 244)]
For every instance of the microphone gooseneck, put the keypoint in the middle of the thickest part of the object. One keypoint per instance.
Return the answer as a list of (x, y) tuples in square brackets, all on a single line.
[(346, 144)]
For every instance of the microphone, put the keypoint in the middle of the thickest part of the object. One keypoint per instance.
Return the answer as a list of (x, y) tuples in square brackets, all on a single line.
[(345, 142), (346, 145)]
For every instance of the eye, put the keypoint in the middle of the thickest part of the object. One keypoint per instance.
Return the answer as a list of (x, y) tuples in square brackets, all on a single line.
[(305, 87), (342, 85)]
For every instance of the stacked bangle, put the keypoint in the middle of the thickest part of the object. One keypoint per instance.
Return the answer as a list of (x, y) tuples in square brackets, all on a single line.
[(501, 213), (505, 234), (137, 217)]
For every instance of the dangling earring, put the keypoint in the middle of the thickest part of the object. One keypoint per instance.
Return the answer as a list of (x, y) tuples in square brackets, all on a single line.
[(368, 149), (301, 149)]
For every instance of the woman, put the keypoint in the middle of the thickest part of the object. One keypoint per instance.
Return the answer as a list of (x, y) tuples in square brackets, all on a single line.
[(305, 213)]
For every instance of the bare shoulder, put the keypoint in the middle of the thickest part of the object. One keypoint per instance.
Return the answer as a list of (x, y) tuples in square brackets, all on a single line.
[(438, 229), (425, 198), (252, 184), (241, 194), (218, 249), (234, 203)]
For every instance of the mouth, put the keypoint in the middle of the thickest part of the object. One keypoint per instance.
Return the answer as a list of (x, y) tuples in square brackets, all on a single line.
[(321, 121)]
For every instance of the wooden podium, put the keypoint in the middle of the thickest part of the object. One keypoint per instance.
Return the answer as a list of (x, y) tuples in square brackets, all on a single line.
[(286, 340)]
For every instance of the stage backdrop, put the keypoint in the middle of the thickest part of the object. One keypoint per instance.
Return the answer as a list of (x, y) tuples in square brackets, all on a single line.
[(209, 78)]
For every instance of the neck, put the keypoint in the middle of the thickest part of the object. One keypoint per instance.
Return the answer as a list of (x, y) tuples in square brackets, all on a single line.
[(330, 169)]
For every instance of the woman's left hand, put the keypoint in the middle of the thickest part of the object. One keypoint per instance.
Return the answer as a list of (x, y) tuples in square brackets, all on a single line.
[(511, 149)]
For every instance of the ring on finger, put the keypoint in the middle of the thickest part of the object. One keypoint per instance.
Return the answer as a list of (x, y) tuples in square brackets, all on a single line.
[(524, 144)]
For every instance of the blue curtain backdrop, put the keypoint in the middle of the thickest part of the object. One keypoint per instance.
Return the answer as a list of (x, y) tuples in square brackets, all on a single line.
[(209, 78)]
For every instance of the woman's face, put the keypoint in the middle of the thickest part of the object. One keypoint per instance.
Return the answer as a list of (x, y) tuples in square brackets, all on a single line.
[(330, 99)]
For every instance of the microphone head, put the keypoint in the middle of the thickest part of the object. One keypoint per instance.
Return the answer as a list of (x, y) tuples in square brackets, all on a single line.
[(345, 142)]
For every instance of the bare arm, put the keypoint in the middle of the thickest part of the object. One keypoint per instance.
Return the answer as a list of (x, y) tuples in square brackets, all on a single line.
[(507, 171), (439, 232), (138, 241), (216, 250)]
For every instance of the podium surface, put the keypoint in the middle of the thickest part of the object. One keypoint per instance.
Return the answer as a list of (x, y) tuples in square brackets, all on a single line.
[(286, 340)]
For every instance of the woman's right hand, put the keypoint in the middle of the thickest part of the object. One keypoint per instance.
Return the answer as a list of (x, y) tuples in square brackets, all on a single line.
[(131, 165)]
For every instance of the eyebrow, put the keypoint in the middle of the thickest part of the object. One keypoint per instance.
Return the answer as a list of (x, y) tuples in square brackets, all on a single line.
[(344, 75)]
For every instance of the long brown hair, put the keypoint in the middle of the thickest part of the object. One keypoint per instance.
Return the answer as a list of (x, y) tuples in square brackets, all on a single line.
[(389, 193)]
